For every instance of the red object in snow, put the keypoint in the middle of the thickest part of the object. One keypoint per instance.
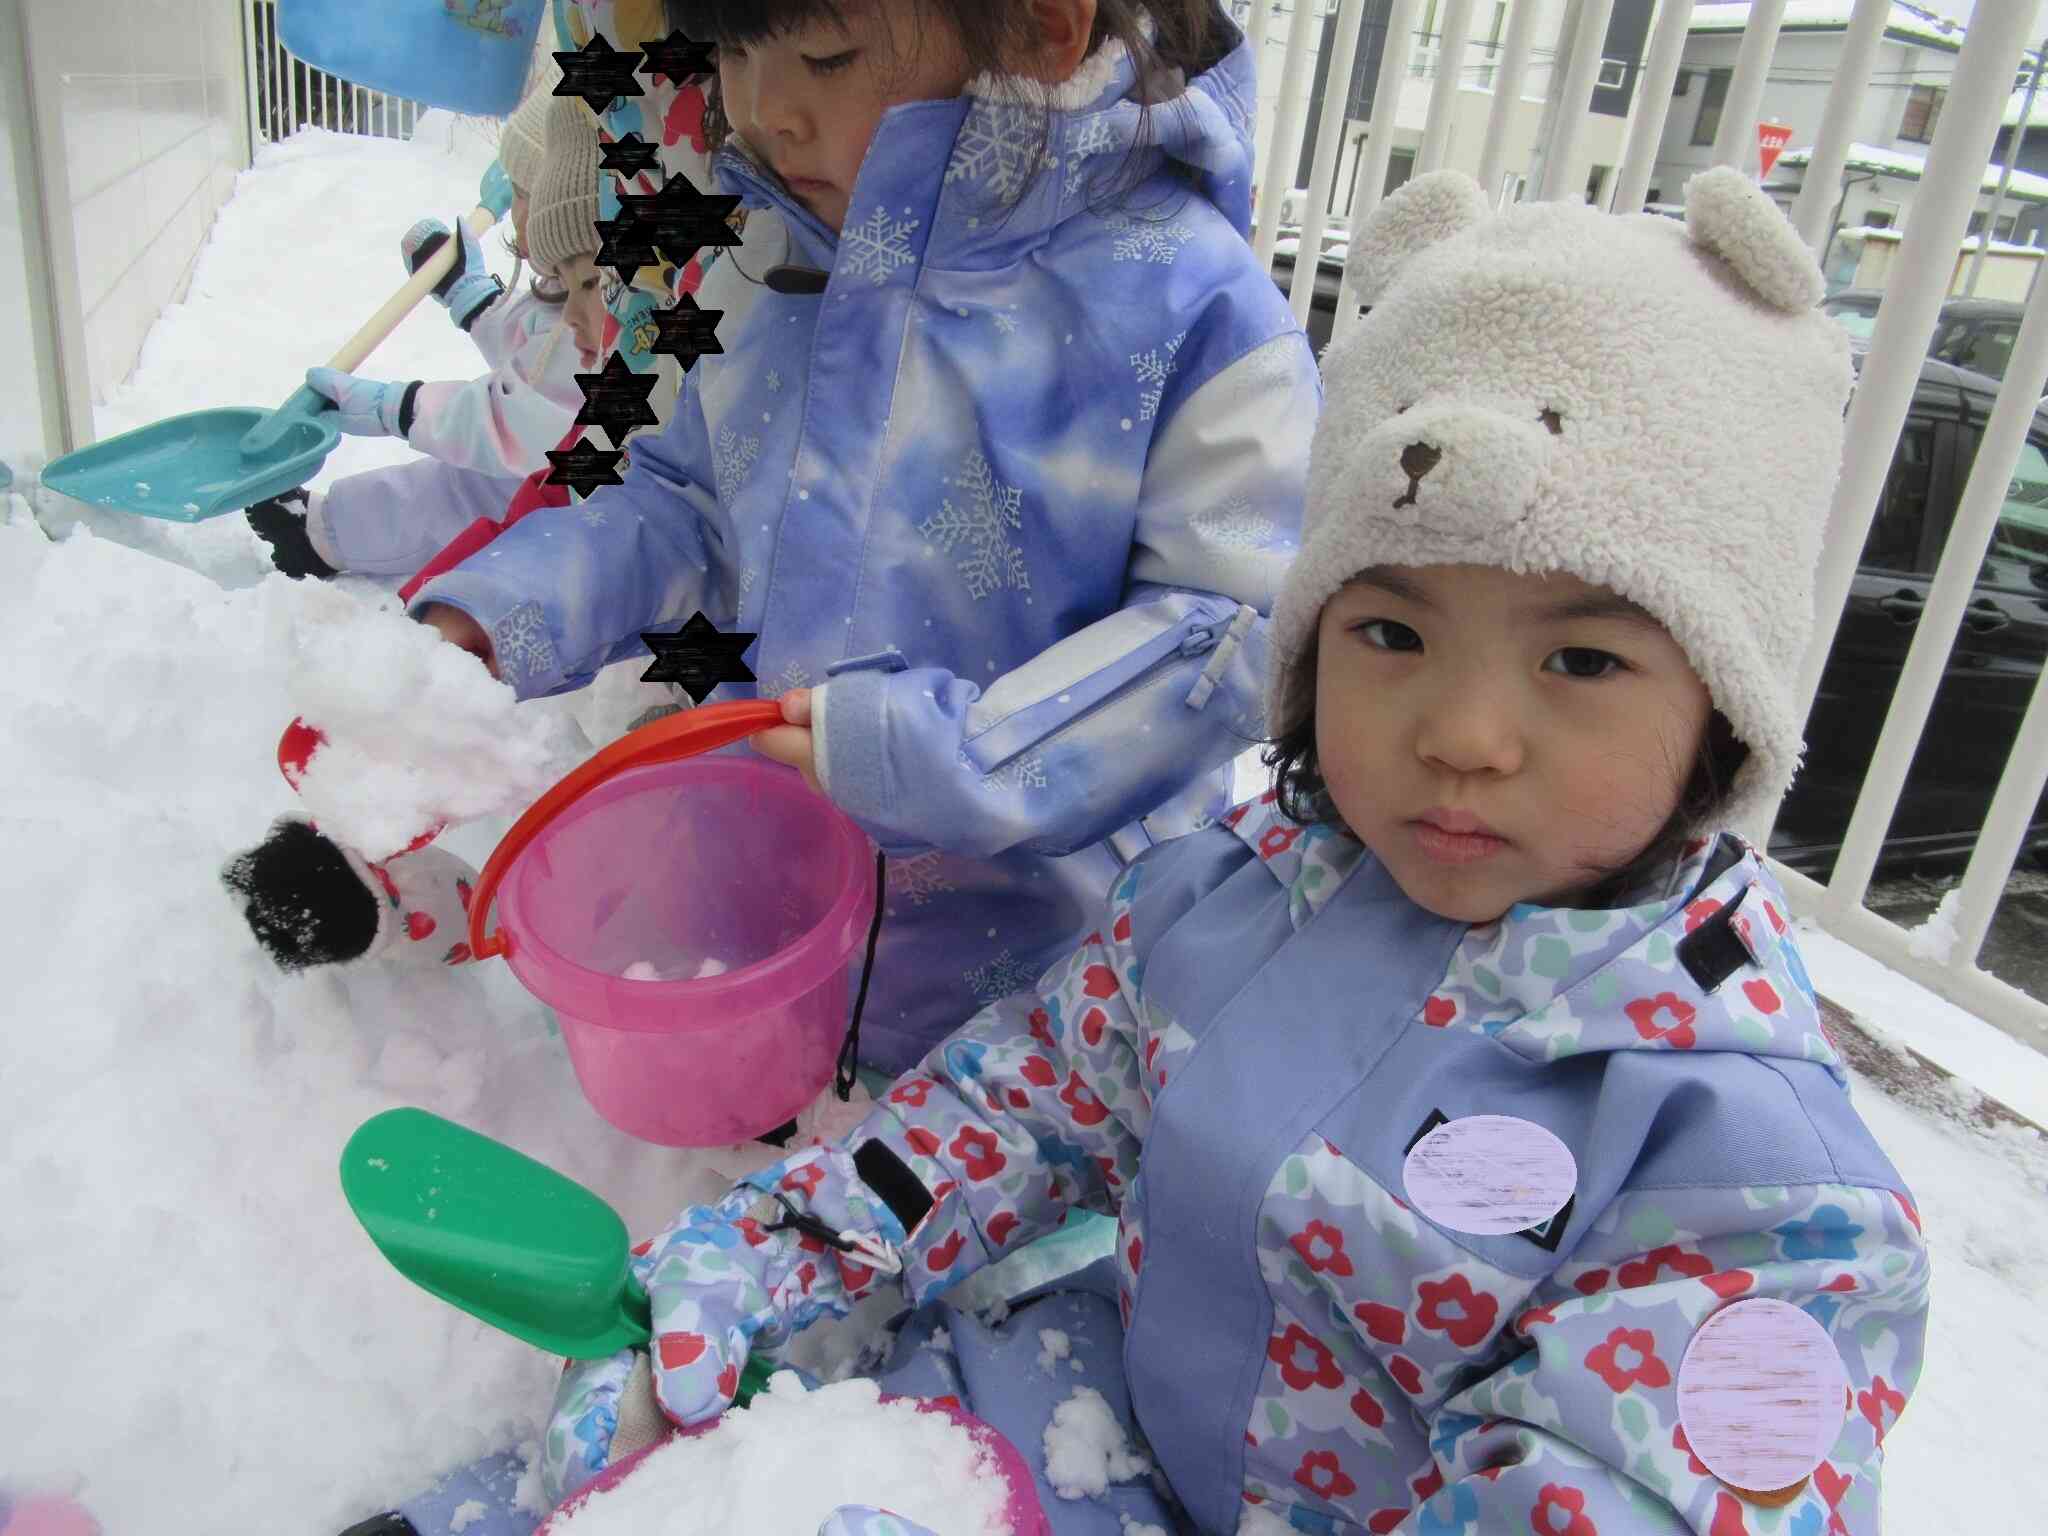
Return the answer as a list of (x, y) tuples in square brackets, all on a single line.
[(295, 750), (1771, 139)]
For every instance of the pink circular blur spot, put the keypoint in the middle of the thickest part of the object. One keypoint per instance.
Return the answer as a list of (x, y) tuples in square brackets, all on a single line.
[(1761, 1393), (50, 1517), (1489, 1175)]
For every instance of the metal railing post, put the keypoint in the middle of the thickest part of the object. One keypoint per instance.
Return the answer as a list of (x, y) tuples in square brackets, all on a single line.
[(1369, 168), (1443, 99), (1329, 148), (1562, 174), (1652, 105), (1948, 190), (1284, 153), (1948, 599), (1811, 210), (1735, 137), (1507, 92)]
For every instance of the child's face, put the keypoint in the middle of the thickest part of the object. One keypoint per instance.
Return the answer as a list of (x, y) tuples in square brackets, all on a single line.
[(808, 101), (584, 307), (1496, 738)]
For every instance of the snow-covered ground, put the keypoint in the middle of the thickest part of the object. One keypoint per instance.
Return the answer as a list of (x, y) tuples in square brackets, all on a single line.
[(194, 1333)]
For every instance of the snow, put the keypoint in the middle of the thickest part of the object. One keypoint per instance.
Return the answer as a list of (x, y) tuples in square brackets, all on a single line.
[(1820, 15), (194, 1333), (1085, 1448), (1054, 1346), (1894, 162), (1934, 939), (781, 1466)]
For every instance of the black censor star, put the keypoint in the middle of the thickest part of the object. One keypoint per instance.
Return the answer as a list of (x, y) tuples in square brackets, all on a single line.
[(686, 331), (598, 72), (615, 398), (585, 467), (623, 245), (679, 58), (679, 220), (628, 156), (698, 657)]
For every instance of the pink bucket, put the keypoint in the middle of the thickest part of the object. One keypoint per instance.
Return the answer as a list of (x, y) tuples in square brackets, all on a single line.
[(1026, 1515), (645, 857)]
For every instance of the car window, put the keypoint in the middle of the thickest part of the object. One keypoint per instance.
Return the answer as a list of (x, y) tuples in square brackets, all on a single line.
[(1859, 323), (1988, 347), (1896, 535), (1951, 341), (2019, 547)]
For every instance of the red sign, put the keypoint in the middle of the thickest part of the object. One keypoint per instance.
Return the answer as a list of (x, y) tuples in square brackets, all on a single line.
[(1771, 139)]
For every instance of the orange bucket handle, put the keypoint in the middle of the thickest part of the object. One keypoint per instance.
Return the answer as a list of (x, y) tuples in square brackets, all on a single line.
[(688, 734)]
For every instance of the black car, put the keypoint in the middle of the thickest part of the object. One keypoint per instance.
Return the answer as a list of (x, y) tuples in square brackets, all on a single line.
[(1991, 673), (1976, 334), (1322, 313)]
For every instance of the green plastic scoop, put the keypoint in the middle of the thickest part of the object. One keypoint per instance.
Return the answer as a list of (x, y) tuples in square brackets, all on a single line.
[(507, 1239)]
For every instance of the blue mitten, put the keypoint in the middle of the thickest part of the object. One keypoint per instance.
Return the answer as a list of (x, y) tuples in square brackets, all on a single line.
[(802, 1240), (469, 288), (369, 407), (495, 190)]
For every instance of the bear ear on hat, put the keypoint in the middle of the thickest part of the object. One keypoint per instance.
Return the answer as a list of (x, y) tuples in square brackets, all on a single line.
[(1726, 214), (1421, 213)]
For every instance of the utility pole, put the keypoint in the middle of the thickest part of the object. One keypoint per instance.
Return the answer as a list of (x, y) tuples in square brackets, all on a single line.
[(2012, 155)]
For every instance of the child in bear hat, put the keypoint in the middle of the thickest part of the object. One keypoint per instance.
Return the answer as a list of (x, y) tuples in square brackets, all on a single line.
[(1479, 1158)]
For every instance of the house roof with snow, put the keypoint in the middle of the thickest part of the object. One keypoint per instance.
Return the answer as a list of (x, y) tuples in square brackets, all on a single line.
[(1891, 162), (1907, 24)]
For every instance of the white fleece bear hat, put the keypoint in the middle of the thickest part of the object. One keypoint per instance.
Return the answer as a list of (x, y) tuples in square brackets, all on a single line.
[(1652, 408)]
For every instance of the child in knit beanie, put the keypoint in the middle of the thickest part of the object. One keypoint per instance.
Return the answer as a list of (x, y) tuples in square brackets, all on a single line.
[(480, 436)]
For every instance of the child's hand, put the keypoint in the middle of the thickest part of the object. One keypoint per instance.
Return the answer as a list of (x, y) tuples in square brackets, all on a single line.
[(459, 629), (791, 744)]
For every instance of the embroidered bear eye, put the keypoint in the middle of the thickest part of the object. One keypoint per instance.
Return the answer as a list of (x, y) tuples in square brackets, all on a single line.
[(1552, 421), (1400, 410)]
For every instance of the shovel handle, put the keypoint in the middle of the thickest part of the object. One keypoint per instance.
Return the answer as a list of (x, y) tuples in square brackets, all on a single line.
[(400, 304), (703, 729)]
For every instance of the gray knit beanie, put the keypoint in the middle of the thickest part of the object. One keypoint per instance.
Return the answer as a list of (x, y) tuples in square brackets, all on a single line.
[(561, 219), (523, 141)]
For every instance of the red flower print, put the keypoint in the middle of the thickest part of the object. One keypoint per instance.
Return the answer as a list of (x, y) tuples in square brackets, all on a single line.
[(912, 1091), (1700, 911), (680, 1349), (458, 954), (1438, 1012), (729, 1381), (1368, 1408), (806, 1178), (1121, 929), (1591, 1283), (806, 1277), (1561, 1511), (854, 1276), (1680, 1443), (941, 1258), (1136, 1254), (1321, 1247), (1453, 1307), (1099, 981), (1289, 1350), (685, 116), (1627, 1358), (750, 1229), (1535, 1317), (1323, 1475), (1643, 1014), (1429, 1485), (922, 1141), (1041, 1028), (1093, 1022), (1000, 1226), (1381, 1521), (1234, 817), (1877, 1401), (1729, 1283), (1383, 1323), (1643, 1271), (1406, 1372), (1275, 841), (1832, 1484), (1088, 1109), (978, 1153), (1038, 1072), (1727, 1516), (1763, 997), (1108, 1167), (1841, 1283), (1019, 1099), (1912, 1213), (1269, 797)]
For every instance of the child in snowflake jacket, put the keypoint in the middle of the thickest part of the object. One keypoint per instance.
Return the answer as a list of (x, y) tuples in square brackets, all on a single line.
[(1012, 452), (1520, 685)]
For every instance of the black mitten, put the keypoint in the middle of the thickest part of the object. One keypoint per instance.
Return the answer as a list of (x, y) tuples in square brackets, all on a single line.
[(304, 900), (280, 522)]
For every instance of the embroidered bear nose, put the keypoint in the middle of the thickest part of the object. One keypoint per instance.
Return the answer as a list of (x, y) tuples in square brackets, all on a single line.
[(1418, 459)]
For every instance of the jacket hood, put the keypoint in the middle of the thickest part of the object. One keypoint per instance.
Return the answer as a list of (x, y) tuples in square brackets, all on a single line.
[(970, 182)]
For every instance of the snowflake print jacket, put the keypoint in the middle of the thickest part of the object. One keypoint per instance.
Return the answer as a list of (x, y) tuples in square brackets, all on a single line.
[(1237, 1063), (1021, 486)]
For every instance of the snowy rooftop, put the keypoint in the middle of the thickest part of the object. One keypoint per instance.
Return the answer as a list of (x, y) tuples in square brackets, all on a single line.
[(1907, 21), (197, 1336), (1892, 162)]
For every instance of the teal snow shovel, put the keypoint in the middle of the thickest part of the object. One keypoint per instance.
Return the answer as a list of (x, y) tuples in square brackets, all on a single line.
[(204, 463), (507, 1239)]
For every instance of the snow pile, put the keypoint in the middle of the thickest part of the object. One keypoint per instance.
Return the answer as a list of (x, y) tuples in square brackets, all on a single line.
[(1935, 939), (1085, 1448), (782, 1465), (418, 732)]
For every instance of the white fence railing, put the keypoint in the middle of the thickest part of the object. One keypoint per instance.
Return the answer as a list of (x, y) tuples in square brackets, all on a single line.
[(287, 94), (1982, 83)]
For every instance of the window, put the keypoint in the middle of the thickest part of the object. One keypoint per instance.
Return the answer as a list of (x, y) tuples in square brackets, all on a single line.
[(1683, 84), (1488, 69), (1983, 346), (1613, 74), (1898, 531), (1881, 216), (1712, 95), (1923, 110), (1595, 182), (2019, 545)]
